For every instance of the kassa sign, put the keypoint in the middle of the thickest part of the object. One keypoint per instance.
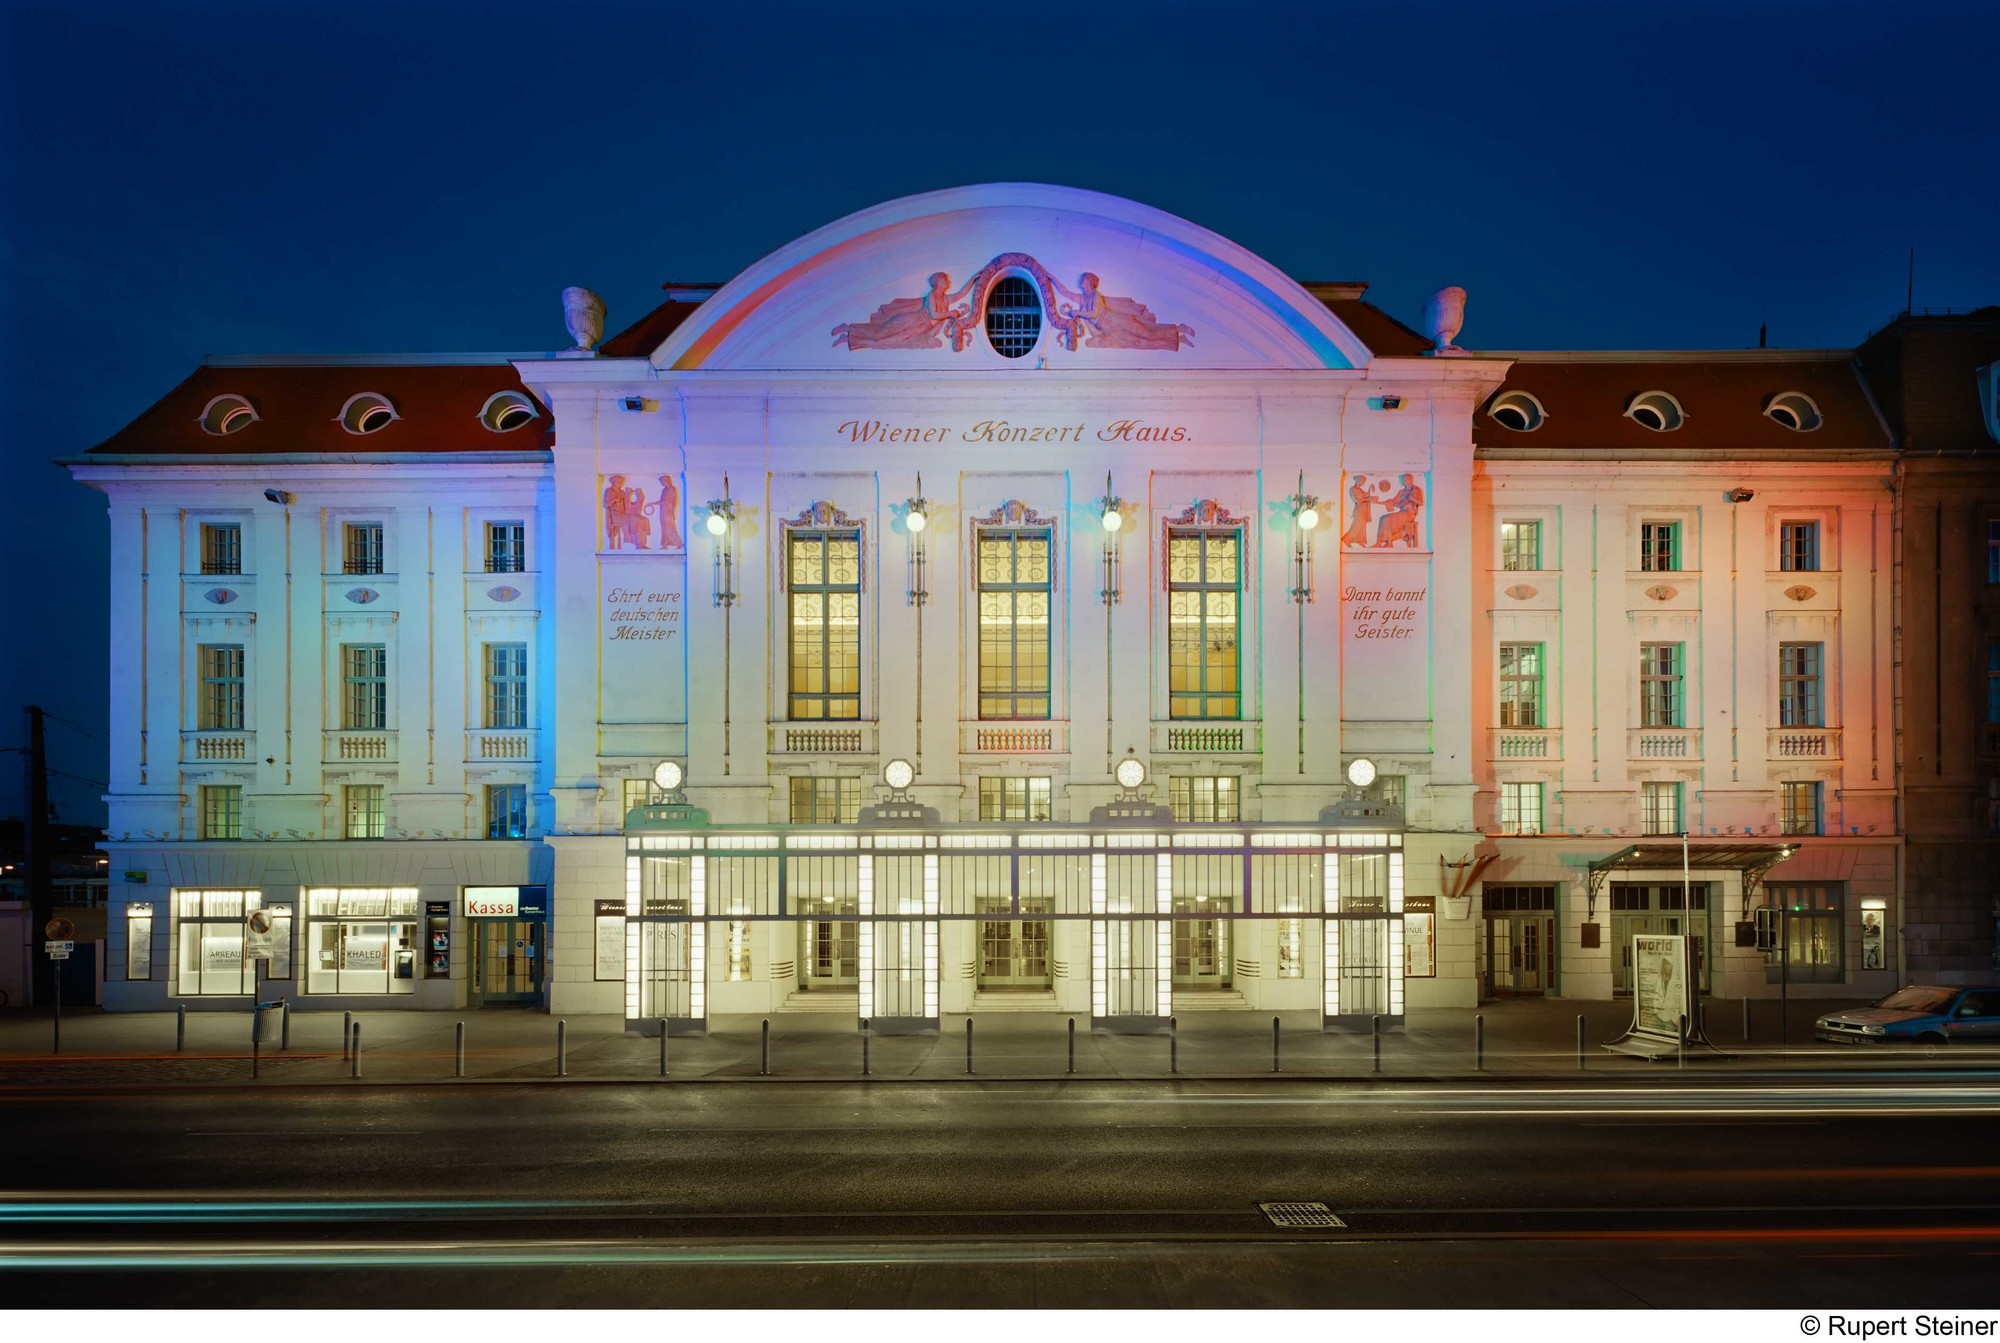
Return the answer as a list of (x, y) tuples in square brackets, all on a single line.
[(492, 902)]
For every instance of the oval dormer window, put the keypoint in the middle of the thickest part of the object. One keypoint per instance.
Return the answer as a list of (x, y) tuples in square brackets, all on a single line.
[(1658, 411), (367, 412), (226, 414), (505, 411), (1013, 316), (1518, 411), (1794, 410)]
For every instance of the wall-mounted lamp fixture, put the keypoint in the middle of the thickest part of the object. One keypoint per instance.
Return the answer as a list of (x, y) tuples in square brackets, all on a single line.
[(1305, 521), (721, 520), (637, 403), (1111, 513), (1740, 496), (281, 497), (917, 516), (1392, 403)]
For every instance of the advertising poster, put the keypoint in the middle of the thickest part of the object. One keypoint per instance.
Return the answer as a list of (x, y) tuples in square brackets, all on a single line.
[(1659, 985), (1420, 937), (610, 939), (1871, 937)]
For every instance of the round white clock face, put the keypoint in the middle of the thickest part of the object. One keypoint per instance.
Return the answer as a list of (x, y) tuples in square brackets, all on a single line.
[(668, 775), (1131, 773), (1361, 772), (898, 773)]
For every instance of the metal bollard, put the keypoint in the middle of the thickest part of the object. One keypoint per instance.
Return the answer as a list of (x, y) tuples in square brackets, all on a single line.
[(864, 1046), (1746, 1021), (180, 1028), (1377, 1029), (562, 1049), (346, 1031), (354, 1052), (253, 1049), (1274, 1044), (285, 1027), (1479, 1042), (1072, 1044), (1580, 1065), (968, 1045), (1173, 1044), (764, 1060), (663, 1046), (458, 1051)]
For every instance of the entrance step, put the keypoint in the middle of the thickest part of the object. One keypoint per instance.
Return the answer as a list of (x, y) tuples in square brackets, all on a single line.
[(1209, 1000), (848, 1004), (985, 1001)]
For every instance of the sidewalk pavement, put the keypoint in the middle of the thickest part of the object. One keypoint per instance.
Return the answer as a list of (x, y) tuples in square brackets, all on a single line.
[(1524, 1040)]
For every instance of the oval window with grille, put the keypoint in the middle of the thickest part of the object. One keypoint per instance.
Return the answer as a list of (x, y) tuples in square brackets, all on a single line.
[(1013, 316)]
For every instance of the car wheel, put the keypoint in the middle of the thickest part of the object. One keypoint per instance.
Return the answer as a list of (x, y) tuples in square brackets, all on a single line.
[(1930, 1042)]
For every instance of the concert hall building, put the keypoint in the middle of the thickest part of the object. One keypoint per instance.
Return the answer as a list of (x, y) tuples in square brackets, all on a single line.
[(1011, 598)]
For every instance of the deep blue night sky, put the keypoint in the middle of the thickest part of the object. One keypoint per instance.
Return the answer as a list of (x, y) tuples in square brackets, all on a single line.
[(181, 179)]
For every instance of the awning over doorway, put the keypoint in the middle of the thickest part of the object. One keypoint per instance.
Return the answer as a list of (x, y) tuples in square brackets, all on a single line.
[(1752, 860)]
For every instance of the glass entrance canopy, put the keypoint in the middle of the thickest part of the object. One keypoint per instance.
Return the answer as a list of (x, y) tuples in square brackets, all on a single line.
[(693, 886)]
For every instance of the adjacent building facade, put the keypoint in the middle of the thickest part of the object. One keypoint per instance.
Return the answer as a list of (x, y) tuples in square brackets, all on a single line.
[(1009, 598)]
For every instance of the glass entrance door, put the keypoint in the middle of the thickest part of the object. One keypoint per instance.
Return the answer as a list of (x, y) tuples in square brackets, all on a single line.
[(507, 962), (1520, 955), (829, 954), (1014, 953), (1201, 953)]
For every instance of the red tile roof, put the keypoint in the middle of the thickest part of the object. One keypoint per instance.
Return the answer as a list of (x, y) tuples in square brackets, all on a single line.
[(437, 405), (649, 333), (1373, 327), (1924, 371), (1723, 397)]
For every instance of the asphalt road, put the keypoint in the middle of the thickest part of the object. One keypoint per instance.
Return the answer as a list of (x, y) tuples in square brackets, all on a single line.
[(1855, 1194)]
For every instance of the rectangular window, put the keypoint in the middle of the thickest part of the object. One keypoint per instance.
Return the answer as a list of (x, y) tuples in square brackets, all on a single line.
[(507, 685), (221, 688), (636, 793), (1798, 546), (221, 548), (823, 571), (1993, 551), (1521, 686), (361, 548), (1392, 789), (1204, 798), (819, 799), (1291, 948), (1204, 592), (1800, 703), (138, 942), (1661, 703), (1799, 808), (1521, 808), (361, 940), (1993, 680), (221, 810), (1812, 924), (1520, 546), (206, 936), (365, 811), (364, 670), (1016, 594), (1659, 546), (1014, 799), (1518, 899), (1660, 808), (506, 547), (507, 810), (736, 952)]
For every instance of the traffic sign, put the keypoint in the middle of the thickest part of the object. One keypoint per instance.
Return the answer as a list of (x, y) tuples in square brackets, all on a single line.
[(258, 941), (58, 929)]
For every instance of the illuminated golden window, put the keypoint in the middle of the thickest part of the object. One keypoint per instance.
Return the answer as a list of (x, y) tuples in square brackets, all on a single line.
[(1204, 798), (825, 799), (1014, 799), (1016, 592), (1204, 595), (823, 572)]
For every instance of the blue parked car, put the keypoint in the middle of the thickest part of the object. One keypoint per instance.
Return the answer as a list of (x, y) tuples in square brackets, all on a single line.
[(1923, 1014)]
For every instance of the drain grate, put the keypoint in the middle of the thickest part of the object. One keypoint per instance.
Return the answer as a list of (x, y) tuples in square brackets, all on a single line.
[(1300, 1216)]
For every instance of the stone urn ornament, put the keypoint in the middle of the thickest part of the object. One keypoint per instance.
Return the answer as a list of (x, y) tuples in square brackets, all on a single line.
[(1444, 315), (583, 314)]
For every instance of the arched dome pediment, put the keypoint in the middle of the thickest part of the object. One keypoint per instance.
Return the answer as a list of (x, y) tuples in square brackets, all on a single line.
[(1070, 280)]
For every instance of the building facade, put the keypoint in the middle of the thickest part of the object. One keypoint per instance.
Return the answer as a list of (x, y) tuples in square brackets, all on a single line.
[(1008, 598)]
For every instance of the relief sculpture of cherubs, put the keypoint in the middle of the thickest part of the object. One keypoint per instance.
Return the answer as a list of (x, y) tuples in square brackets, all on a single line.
[(1093, 318), (912, 323)]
